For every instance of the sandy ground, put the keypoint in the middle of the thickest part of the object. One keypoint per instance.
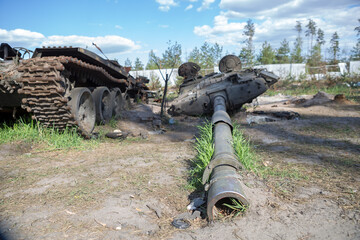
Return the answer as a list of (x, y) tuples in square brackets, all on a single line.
[(133, 189)]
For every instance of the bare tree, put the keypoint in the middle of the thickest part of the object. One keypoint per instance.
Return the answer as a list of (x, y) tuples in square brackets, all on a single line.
[(171, 58)]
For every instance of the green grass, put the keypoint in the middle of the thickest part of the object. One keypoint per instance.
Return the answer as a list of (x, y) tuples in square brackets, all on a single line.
[(48, 138), (113, 122), (332, 86), (205, 149), (235, 207), (243, 150)]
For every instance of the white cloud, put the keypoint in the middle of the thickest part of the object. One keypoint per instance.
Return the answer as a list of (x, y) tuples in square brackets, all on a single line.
[(205, 5), (165, 5), (164, 26), (275, 20), (118, 27), (222, 32), (28, 39), (21, 37), (189, 7), (108, 44)]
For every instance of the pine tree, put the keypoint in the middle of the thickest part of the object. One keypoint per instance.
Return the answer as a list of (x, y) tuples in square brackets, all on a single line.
[(282, 55), (355, 52), (154, 83), (315, 58), (151, 65), (267, 54), (171, 58), (128, 63), (207, 56), (334, 47), (195, 56), (247, 53), (296, 55), (138, 65), (311, 32)]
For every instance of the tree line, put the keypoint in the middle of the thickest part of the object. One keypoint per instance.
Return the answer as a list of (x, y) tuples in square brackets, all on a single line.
[(208, 55)]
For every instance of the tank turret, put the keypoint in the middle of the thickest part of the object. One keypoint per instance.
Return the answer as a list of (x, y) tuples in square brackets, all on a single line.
[(237, 86)]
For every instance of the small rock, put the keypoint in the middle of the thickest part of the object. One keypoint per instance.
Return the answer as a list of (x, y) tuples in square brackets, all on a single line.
[(258, 119), (190, 140), (196, 214), (195, 203), (155, 209), (156, 123), (117, 135), (157, 132), (144, 135)]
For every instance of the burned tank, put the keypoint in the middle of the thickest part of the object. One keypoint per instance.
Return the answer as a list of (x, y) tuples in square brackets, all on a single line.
[(239, 87), (217, 94), (65, 86)]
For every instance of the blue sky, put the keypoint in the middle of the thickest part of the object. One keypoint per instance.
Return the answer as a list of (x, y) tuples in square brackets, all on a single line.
[(131, 28)]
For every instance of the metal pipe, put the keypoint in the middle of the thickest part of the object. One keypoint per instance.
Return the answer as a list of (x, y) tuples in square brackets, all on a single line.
[(224, 181)]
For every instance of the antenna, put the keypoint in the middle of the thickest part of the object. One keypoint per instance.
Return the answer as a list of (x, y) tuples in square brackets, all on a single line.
[(100, 50)]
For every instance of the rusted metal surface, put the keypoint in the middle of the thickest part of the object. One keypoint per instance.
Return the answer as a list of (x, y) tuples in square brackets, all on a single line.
[(46, 87), (224, 182), (239, 87), (45, 84), (110, 66)]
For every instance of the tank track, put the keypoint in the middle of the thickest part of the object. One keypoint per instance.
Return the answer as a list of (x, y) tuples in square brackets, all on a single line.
[(8, 79), (9, 86), (45, 90)]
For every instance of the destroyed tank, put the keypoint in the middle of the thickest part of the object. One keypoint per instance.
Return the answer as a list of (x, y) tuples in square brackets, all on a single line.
[(216, 94), (236, 85), (65, 86)]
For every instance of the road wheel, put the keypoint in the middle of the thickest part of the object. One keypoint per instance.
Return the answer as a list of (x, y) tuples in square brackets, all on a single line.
[(103, 104), (118, 102), (127, 101), (83, 108)]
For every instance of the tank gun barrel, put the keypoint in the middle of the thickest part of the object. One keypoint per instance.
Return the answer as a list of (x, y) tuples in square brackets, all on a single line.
[(224, 182)]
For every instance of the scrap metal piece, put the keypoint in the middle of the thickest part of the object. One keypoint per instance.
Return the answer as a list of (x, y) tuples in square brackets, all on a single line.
[(181, 223), (230, 63), (188, 70)]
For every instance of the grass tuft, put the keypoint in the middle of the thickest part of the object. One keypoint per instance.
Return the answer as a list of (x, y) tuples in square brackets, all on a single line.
[(205, 149), (244, 152), (236, 208), (48, 138)]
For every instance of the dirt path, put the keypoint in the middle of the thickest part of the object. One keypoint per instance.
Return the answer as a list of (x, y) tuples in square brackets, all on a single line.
[(134, 188)]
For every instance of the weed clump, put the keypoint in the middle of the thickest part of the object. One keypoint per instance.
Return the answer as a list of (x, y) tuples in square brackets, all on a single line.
[(204, 147), (48, 138)]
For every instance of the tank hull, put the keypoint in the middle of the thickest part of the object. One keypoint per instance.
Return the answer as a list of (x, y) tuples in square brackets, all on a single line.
[(45, 84)]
